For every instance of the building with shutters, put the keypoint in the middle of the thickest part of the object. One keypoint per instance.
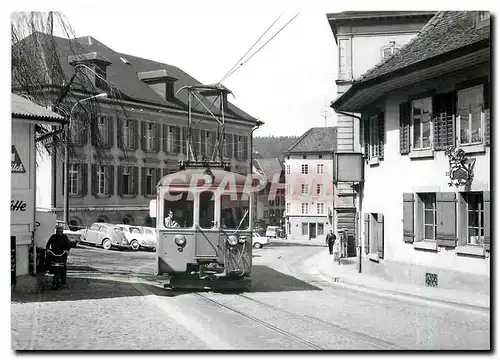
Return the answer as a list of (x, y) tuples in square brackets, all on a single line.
[(363, 38), (309, 177), (113, 180), (270, 201), (426, 201)]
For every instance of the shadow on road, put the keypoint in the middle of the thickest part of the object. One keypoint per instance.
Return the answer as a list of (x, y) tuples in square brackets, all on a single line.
[(88, 289), (273, 245), (266, 279)]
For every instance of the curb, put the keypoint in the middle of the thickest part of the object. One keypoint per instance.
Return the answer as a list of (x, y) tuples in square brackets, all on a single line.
[(395, 293)]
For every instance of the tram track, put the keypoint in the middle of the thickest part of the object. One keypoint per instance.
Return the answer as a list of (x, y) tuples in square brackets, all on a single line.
[(270, 326), (314, 321)]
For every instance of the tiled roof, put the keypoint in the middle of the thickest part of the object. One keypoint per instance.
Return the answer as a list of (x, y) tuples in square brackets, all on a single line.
[(319, 139), (351, 15), (445, 32), (122, 73), (270, 167), (22, 107), (268, 147)]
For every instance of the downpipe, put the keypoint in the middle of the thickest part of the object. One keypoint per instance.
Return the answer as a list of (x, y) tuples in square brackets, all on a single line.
[(360, 192)]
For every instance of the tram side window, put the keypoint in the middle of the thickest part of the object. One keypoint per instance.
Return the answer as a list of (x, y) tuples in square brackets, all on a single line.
[(179, 210), (234, 212), (207, 210)]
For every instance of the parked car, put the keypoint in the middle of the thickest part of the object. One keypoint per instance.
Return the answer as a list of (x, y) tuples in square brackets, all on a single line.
[(135, 237), (258, 240), (73, 236), (272, 231), (106, 235), (149, 234)]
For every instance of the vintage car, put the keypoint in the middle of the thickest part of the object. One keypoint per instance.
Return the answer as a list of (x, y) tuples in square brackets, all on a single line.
[(259, 240), (73, 236), (106, 235), (136, 238), (149, 234)]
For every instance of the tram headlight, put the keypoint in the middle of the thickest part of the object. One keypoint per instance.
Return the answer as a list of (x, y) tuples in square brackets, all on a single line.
[(180, 240), (232, 240)]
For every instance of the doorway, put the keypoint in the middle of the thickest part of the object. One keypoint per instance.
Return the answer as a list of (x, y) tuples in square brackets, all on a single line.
[(312, 231)]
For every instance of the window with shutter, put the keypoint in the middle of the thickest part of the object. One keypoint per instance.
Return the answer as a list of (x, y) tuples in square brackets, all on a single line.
[(421, 124), (84, 179), (235, 146), (404, 128), (177, 148), (380, 235), (74, 179), (367, 232), (126, 183), (366, 131), (143, 135), (135, 180), (376, 136), (470, 122), (93, 178), (426, 217), (443, 114), (111, 179), (228, 150), (446, 219), (408, 218), (245, 148), (203, 146), (102, 181)]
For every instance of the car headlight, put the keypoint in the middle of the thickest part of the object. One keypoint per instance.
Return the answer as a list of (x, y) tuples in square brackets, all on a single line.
[(180, 240), (232, 240)]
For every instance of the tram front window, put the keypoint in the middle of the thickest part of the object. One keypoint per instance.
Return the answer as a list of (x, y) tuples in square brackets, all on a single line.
[(234, 213), (207, 210), (178, 210)]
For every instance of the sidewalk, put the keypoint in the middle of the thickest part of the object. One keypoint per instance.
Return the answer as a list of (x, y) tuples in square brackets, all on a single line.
[(347, 275)]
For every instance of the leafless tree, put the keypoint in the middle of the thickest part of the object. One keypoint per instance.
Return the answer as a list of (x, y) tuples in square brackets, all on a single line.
[(40, 72)]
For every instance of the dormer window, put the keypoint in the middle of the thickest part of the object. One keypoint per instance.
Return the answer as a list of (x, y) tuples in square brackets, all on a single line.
[(94, 68), (390, 50), (100, 79), (161, 81), (482, 19)]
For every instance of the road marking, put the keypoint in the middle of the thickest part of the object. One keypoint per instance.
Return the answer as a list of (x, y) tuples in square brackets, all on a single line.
[(211, 341)]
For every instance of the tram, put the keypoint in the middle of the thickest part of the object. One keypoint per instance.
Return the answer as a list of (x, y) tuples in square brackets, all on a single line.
[(203, 219)]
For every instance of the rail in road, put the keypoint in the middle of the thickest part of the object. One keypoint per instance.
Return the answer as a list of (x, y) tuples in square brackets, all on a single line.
[(314, 321)]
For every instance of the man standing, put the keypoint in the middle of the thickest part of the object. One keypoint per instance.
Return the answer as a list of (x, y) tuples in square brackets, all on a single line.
[(58, 243), (330, 239)]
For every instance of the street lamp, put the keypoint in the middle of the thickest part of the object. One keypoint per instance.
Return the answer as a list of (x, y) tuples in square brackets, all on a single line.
[(66, 156)]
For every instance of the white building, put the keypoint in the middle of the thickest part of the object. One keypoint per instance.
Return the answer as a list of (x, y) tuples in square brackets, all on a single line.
[(426, 213), (309, 171), (363, 38)]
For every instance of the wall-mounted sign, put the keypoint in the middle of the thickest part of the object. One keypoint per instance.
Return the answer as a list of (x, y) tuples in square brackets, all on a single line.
[(349, 167), (22, 210), (16, 164), (461, 167)]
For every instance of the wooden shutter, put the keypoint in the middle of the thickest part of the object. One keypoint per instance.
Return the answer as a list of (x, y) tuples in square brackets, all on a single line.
[(93, 130), (245, 148), (404, 127), (408, 218), (446, 219), (156, 179), (110, 173), (367, 232), (235, 147), (184, 137), (366, 129), (487, 127), (143, 181), (143, 135), (380, 235), (487, 220), (157, 134), (443, 113), (228, 139), (135, 180), (165, 138), (134, 126), (93, 177), (381, 135), (119, 179), (119, 132), (177, 139), (83, 179), (110, 141)]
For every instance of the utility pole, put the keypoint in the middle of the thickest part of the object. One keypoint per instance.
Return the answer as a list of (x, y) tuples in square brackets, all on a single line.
[(66, 173)]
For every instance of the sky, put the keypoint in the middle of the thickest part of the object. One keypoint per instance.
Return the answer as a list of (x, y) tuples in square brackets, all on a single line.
[(288, 84)]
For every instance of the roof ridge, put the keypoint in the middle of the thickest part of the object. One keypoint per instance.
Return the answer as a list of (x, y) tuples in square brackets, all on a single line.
[(432, 22), (296, 142)]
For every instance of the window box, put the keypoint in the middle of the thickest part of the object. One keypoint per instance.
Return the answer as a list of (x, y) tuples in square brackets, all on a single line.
[(469, 149), (470, 250), (374, 161), (422, 154), (425, 245), (373, 257)]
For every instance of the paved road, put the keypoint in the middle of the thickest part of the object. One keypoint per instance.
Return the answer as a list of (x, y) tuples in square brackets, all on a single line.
[(285, 309)]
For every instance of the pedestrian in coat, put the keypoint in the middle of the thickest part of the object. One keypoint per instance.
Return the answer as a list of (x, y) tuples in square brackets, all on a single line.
[(330, 239)]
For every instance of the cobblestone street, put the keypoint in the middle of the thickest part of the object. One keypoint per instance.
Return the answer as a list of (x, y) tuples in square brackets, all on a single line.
[(287, 308)]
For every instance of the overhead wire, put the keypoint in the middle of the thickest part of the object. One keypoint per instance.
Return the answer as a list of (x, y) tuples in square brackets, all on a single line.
[(255, 43), (259, 49)]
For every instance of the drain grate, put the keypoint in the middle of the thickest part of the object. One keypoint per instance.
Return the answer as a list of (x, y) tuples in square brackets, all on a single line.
[(431, 280)]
